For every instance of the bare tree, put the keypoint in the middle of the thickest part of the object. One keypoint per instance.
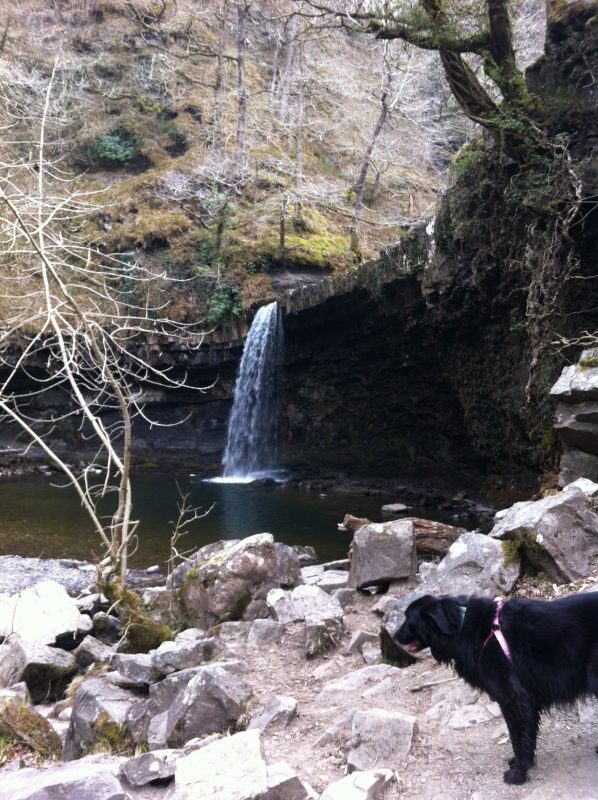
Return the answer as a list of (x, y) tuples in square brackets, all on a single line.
[(75, 322)]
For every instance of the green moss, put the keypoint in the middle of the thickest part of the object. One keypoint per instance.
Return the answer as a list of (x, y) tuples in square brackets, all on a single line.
[(148, 635), (111, 736), (515, 550), (589, 363)]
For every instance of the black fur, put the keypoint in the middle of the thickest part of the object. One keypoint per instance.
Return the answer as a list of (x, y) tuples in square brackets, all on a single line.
[(554, 651)]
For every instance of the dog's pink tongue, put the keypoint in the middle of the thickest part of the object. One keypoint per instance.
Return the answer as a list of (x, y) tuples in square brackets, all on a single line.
[(413, 647)]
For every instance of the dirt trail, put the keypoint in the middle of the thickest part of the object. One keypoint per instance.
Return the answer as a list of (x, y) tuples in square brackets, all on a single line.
[(448, 762)]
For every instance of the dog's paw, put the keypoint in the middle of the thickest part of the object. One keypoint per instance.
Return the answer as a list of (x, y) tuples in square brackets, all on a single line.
[(515, 775), (512, 761)]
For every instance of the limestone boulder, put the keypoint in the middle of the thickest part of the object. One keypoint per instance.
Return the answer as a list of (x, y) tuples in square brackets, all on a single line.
[(577, 425), (42, 613), (321, 613), (137, 668), (382, 552), (275, 715), (365, 785), (92, 651), (158, 765), (99, 715), (22, 723), (557, 535), (232, 583), (174, 656), (91, 778), (212, 701), (46, 670), (233, 768), (578, 382), (380, 738)]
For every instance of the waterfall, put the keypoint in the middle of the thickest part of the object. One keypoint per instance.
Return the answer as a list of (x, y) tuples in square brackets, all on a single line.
[(251, 449)]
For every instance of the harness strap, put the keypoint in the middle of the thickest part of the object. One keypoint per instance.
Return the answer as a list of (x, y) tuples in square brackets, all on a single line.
[(497, 633)]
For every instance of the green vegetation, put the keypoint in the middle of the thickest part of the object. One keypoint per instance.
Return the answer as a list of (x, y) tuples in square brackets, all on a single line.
[(111, 736), (119, 146)]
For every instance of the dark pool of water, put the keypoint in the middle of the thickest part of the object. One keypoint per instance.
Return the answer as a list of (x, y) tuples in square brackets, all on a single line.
[(39, 519)]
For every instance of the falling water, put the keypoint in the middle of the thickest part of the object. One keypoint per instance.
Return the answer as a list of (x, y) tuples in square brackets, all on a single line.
[(251, 449)]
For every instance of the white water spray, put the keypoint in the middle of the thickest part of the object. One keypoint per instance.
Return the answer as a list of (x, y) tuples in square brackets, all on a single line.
[(251, 449)]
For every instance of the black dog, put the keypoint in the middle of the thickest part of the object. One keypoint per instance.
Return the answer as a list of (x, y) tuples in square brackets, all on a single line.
[(527, 655)]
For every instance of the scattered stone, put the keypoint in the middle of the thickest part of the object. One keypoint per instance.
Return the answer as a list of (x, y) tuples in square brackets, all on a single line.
[(306, 554), (329, 580), (355, 683), (91, 778), (344, 596), (91, 651), (558, 535), (190, 635), (340, 729), (382, 552), (99, 715), (233, 581), (45, 670), (233, 768), (158, 765), (138, 668), (232, 633), (371, 653), (173, 656), (364, 785), (358, 639), (264, 632), (107, 627), (301, 603), (212, 701), (161, 604), (40, 614), (392, 509), (18, 573), (275, 715), (380, 738), (22, 723)]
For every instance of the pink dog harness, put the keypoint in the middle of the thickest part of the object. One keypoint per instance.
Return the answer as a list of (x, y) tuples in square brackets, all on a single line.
[(497, 633)]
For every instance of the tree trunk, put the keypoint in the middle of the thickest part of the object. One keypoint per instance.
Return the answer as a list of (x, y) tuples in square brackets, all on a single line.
[(217, 138), (299, 137)]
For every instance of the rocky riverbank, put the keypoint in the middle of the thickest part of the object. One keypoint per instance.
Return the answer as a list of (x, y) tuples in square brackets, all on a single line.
[(280, 682)]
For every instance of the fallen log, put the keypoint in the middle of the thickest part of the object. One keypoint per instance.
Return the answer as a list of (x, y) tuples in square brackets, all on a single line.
[(432, 538)]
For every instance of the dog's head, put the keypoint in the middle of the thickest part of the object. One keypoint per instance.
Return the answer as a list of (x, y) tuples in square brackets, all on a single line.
[(432, 622)]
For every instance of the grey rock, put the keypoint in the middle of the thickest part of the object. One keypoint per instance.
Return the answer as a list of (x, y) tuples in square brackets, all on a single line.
[(97, 702), (344, 596), (18, 573), (329, 580), (40, 613), (275, 715), (91, 778), (390, 509), (353, 684), (212, 701), (156, 765), (190, 635), (382, 552), (138, 668), (23, 723), (380, 739), (161, 603), (232, 633), (306, 554), (232, 583), (107, 627), (178, 655), (341, 729), (321, 634), (371, 653), (577, 425), (576, 464), (264, 632), (558, 534), (46, 670), (92, 603), (578, 383), (588, 487), (233, 768), (365, 785), (91, 651), (474, 564), (301, 603), (358, 639)]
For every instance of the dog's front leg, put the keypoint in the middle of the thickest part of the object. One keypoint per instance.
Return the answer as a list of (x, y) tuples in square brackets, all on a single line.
[(522, 721)]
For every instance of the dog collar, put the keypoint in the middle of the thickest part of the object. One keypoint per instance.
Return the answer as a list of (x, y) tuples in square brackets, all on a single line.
[(497, 633)]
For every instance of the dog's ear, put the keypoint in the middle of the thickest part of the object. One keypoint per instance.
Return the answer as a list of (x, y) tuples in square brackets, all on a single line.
[(445, 615)]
